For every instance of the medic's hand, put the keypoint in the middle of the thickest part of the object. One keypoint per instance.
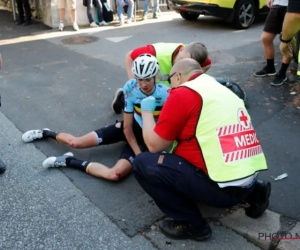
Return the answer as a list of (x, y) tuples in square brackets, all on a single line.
[(148, 104), (288, 49), (129, 86)]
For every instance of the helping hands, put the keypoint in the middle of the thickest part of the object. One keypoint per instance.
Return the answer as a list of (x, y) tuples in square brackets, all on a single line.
[(148, 104), (288, 49)]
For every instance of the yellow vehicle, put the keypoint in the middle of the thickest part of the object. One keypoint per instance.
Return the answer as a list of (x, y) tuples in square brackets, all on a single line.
[(241, 13)]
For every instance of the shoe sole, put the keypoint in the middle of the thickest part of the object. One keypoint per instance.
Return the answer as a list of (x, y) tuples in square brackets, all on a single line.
[(114, 100), (272, 74), (203, 238), (276, 85)]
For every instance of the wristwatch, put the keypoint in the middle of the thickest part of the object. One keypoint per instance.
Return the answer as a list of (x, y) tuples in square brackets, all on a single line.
[(284, 41)]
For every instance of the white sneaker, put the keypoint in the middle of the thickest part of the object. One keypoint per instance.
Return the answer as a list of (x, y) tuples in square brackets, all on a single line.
[(59, 161), (129, 21), (32, 135), (93, 24), (75, 26), (61, 26), (103, 23)]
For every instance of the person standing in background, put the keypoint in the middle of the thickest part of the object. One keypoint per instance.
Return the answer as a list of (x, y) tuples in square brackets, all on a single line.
[(273, 26), (23, 5), (98, 6), (61, 4)]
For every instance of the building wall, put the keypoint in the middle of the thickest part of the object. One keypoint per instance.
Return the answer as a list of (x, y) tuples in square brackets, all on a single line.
[(47, 12)]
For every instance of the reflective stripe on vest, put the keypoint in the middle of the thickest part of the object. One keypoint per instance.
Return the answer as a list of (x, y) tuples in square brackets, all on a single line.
[(298, 71), (224, 132), (164, 54)]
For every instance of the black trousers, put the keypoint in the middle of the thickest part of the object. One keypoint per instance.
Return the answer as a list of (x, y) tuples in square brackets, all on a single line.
[(176, 186), (23, 6)]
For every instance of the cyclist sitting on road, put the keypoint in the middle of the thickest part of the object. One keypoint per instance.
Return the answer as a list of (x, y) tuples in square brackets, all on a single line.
[(167, 54), (144, 69)]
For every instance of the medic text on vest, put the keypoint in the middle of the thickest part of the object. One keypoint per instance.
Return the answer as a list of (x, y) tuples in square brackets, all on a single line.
[(238, 142)]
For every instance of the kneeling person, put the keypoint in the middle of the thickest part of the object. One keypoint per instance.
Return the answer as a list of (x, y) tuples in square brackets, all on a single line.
[(210, 164), (129, 130)]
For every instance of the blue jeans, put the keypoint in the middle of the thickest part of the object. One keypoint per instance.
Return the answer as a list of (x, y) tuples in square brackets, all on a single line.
[(98, 5), (121, 10), (176, 186), (155, 7)]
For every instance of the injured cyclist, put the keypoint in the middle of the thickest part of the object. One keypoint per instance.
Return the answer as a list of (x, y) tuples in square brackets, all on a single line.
[(144, 69)]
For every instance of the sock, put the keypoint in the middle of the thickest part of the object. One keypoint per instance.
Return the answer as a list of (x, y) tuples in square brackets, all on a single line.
[(77, 164), (270, 64), (49, 134), (283, 69)]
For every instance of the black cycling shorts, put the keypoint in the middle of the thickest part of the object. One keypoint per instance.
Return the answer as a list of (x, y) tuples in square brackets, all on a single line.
[(275, 19), (113, 134)]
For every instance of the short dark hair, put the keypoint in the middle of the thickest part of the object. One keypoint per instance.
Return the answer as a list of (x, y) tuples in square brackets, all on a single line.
[(198, 51)]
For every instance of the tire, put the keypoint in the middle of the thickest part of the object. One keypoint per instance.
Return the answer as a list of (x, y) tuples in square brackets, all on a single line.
[(244, 14), (189, 16)]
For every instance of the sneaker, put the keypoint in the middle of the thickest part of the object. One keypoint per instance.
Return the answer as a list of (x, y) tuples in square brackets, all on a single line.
[(154, 16), (103, 23), (118, 101), (32, 135), (61, 26), (265, 72), (129, 21), (144, 17), (75, 26), (2, 167), (279, 80), (178, 231), (93, 24), (259, 199), (59, 161)]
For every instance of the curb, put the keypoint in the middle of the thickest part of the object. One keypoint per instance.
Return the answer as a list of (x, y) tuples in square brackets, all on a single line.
[(271, 231)]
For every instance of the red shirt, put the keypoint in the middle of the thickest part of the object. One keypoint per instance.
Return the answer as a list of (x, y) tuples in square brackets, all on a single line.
[(149, 49), (178, 120)]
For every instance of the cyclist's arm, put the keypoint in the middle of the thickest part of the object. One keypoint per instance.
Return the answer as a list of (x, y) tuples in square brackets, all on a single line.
[(128, 121), (128, 132)]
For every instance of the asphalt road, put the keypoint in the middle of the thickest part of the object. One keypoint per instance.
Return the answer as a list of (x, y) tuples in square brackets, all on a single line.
[(68, 88)]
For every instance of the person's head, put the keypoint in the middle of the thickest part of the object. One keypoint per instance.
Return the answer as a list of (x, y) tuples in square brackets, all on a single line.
[(194, 50), (145, 68), (183, 70)]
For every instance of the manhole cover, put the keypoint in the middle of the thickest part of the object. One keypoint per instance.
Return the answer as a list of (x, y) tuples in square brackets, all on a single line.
[(77, 40)]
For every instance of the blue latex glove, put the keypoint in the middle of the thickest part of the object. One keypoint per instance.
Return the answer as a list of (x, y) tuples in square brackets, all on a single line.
[(148, 104), (129, 86)]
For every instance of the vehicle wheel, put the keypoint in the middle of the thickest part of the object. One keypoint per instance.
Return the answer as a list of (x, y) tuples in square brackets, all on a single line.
[(189, 16), (244, 14)]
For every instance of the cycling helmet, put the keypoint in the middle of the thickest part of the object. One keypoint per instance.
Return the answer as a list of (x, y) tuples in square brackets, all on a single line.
[(145, 66)]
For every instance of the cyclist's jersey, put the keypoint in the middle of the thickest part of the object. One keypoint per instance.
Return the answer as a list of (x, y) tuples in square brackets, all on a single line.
[(133, 98)]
